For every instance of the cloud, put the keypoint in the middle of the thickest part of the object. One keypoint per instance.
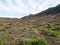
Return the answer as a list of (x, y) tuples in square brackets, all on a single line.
[(20, 8)]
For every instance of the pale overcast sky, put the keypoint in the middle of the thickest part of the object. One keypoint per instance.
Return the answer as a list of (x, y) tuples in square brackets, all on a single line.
[(20, 8)]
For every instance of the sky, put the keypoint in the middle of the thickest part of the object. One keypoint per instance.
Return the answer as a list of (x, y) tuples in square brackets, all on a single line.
[(21, 8)]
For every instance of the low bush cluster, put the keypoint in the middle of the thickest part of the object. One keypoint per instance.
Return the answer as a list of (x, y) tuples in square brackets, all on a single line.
[(33, 42), (50, 32)]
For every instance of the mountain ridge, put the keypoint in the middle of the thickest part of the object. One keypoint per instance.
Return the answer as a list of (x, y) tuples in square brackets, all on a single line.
[(50, 11)]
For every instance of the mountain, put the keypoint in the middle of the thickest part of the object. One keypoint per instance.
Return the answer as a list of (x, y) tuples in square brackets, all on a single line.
[(50, 11), (53, 10)]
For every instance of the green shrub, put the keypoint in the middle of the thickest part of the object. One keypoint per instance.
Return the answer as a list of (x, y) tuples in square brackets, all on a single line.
[(50, 32), (57, 28), (3, 29), (1, 42), (24, 42), (32, 42), (38, 42), (44, 31), (53, 33), (8, 37)]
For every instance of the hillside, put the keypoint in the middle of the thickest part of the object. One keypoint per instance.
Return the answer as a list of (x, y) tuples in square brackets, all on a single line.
[(38, 29), (53, 11)]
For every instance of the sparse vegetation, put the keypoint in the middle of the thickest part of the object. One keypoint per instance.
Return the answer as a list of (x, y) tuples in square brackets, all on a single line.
[(38, 30), (27, 33)]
